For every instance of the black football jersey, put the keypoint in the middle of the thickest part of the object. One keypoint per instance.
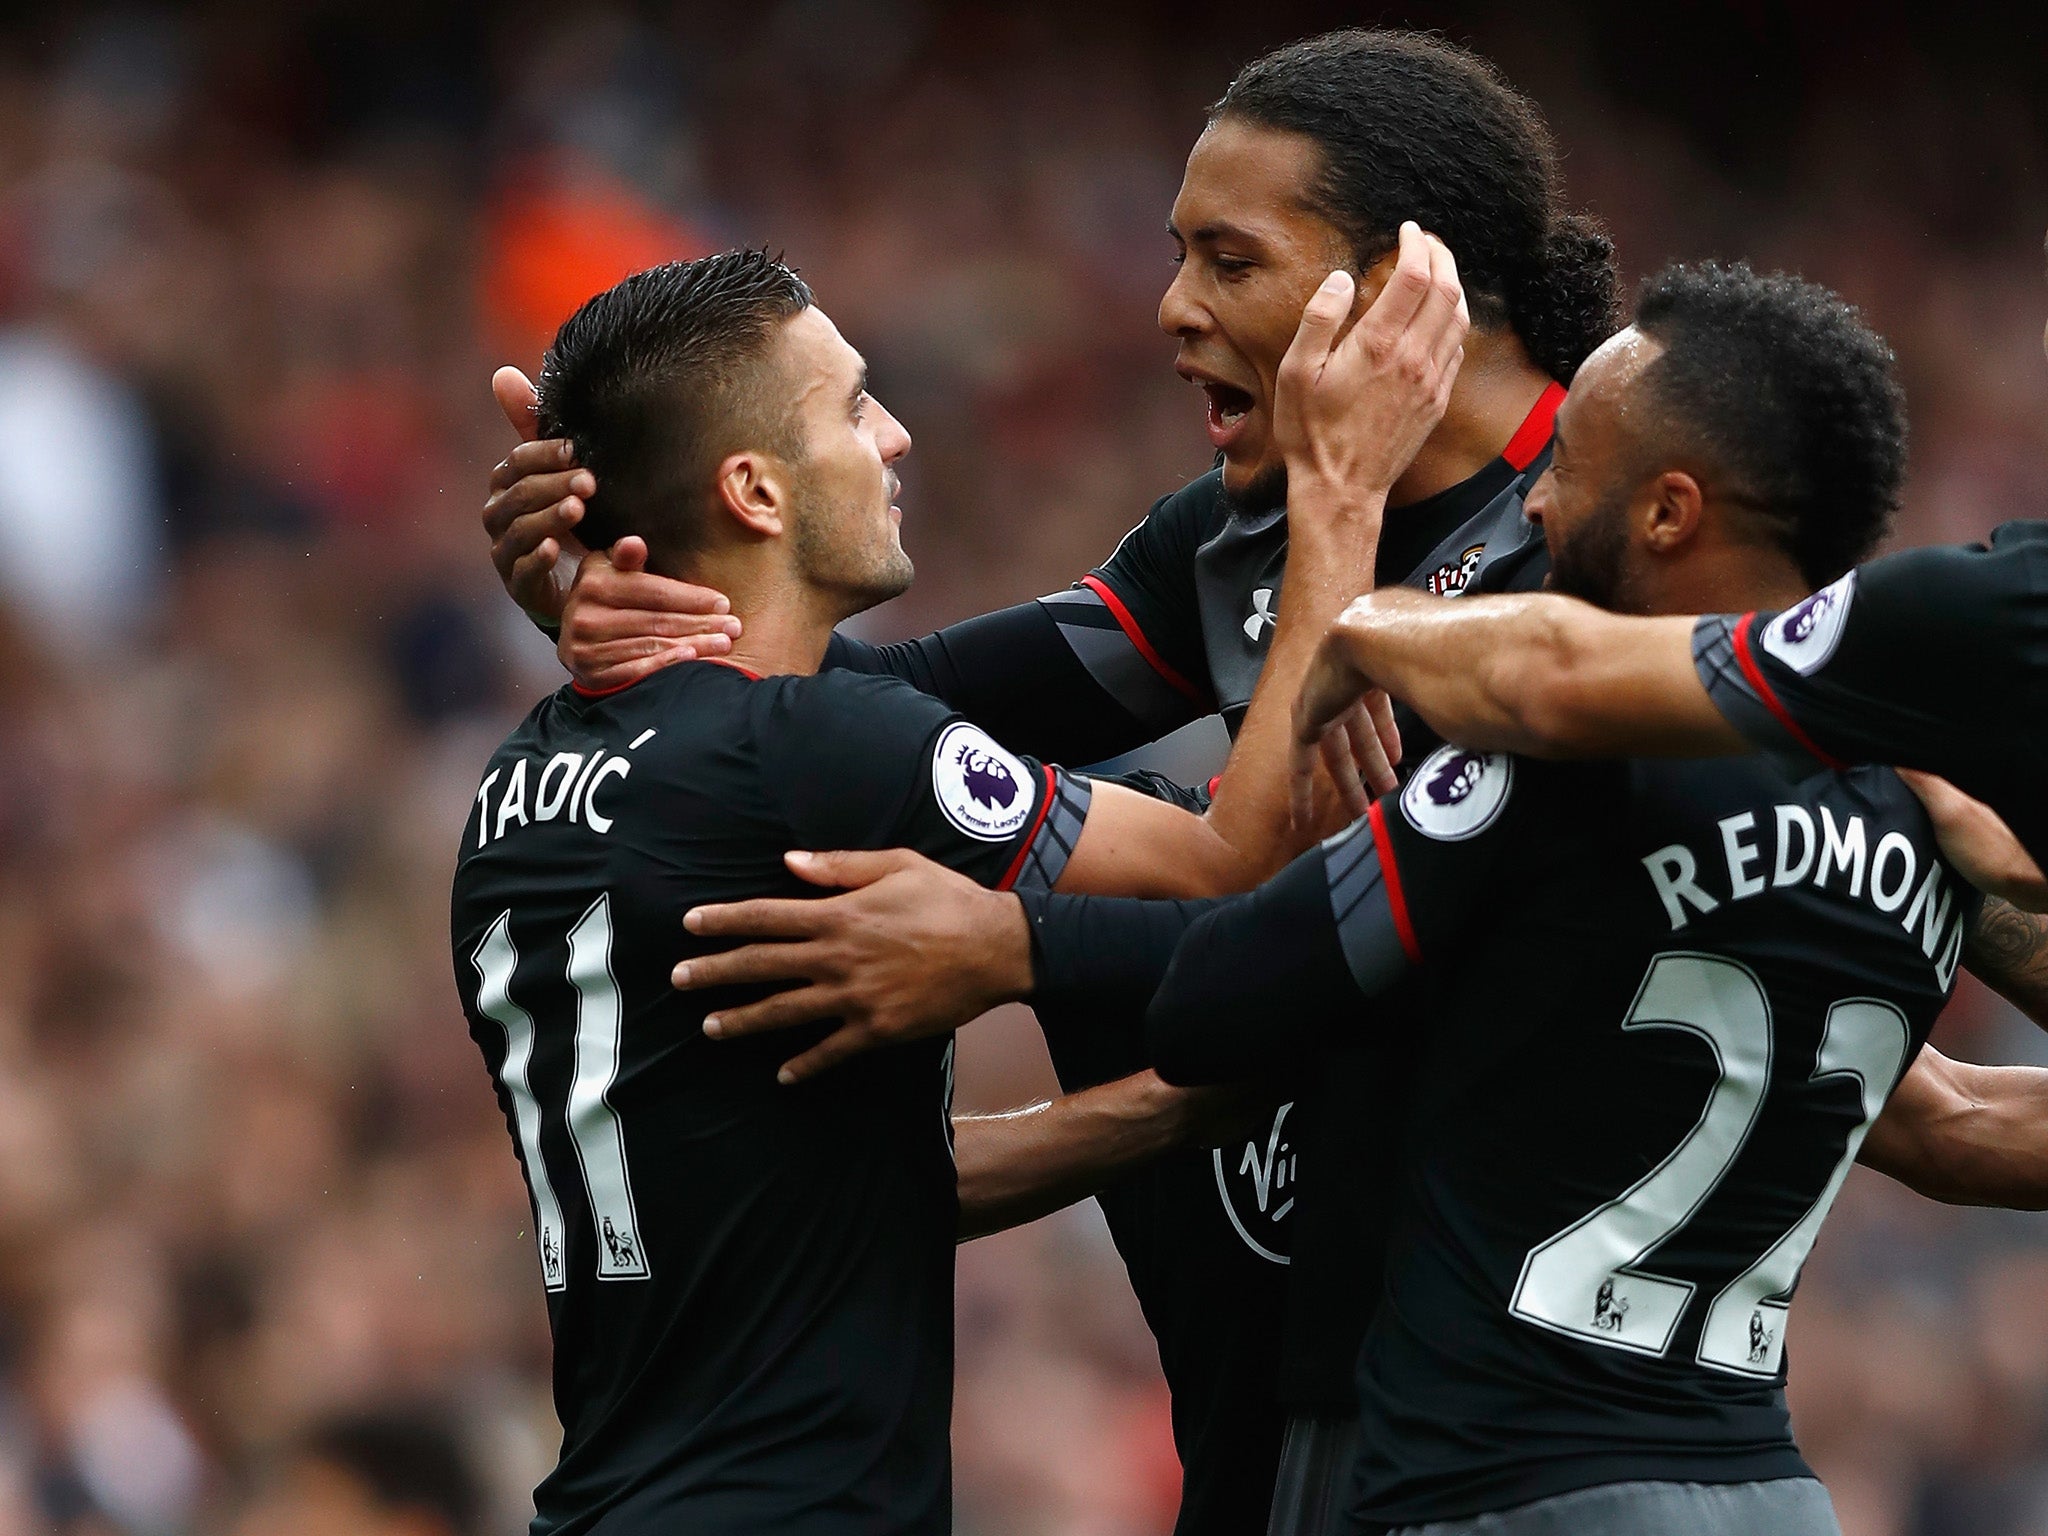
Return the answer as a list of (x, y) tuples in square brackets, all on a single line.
[(1930, 658), (1174, 626), (749, 1285), (1176, 622), (1667, 1002), (1207, 1233), (1642, 1081)]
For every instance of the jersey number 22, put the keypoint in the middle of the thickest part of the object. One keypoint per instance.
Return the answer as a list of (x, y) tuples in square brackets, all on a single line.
[(1585, 1281)]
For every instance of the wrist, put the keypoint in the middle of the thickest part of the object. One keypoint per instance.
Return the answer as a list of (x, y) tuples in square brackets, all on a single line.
[(1007, 968), (1333, 494)]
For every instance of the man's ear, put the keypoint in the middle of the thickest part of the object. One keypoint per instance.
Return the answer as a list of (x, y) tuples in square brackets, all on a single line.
[(750, 490), (1671, 516)]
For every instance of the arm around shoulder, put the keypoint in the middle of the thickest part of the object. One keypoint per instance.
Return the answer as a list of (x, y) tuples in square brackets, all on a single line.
[(1537, 673)]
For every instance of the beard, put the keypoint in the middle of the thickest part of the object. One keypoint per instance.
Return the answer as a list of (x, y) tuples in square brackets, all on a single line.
[(1267, 492), (835, 554), (1593, 563)]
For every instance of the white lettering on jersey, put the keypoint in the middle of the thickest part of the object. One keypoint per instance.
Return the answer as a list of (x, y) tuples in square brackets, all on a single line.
[(514, 801), (1257, 1196), (1801, 854), (1804, 636), (1676, 874), (984, 791), (565, 789)]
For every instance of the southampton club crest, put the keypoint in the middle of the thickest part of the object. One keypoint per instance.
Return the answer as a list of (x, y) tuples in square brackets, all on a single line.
[(984, 791), (1255, 1179), (1457, 793), (1804, 636), (1449, 579)]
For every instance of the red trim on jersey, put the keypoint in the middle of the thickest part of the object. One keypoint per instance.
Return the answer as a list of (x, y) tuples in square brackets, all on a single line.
[(1044, 808), (1746, 659), (726, 661), (1212, 785), (605, 693), (1137, 638), (1397, 898), (1535, 429)]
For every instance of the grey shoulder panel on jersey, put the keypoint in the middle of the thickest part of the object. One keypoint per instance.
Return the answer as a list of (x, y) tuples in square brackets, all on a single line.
[(1101, 644), (1720, 673), (1363, 908)]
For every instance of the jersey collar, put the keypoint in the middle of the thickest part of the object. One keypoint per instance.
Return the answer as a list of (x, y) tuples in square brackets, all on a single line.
[(1533, 435)]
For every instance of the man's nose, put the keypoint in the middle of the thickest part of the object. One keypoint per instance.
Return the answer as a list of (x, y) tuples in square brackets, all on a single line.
[(1179, 314), (893, 439)]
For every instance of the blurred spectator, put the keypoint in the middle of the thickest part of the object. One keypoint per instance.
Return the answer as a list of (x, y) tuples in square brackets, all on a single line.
[(383, 1474), (85, 525)]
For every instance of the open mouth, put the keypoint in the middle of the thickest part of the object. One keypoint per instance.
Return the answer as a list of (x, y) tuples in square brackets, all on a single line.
[(1228, 408)]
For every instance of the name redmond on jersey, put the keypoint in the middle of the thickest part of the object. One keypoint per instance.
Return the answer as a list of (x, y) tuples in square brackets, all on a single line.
[(1790, 848), (565, 788)]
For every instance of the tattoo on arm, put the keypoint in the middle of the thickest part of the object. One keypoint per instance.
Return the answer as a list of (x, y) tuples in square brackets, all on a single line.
[(2007, 949)]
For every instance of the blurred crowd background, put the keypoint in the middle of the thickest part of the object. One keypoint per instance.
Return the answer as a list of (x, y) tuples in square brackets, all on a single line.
[(264, 1263)]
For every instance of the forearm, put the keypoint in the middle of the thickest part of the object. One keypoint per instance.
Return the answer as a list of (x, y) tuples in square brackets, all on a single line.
[(1537, 673), (1333, 541), (1106, 953), (1012, 673), (1965, 1134), (1019, 1166), (2007, 950), (1213, 1017)]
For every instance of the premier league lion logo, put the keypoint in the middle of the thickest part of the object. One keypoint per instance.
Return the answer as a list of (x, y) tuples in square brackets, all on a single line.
[(984, 791), (1454, 778), (987, 780), (1804, 636), (1457, 793), (1802, 620)]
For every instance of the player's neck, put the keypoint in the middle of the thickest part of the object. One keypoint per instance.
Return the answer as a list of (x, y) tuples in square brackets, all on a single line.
[(785, 624), (1497, 387), (1730, 579), (782, 635)]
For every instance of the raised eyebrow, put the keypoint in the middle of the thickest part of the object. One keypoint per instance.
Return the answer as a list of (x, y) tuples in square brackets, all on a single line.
[(860, 385)]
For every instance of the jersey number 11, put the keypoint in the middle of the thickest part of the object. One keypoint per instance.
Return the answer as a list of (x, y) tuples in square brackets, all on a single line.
[(593, 1125)]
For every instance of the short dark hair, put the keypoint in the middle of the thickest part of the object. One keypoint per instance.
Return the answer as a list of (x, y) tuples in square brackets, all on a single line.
[(657, 379), (409, 1458), (1412, 127), (1781, 384)]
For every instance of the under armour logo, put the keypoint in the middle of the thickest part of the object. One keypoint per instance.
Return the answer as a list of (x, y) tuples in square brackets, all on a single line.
[(1261, 620)]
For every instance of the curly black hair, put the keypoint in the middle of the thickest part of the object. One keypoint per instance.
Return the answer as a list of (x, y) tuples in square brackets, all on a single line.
[(1781, 385), (657, 379), (1413, 127)]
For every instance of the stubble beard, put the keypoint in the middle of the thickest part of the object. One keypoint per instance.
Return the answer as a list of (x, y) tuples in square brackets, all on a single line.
[(1265, 492), (859, 577), (1593, 564)]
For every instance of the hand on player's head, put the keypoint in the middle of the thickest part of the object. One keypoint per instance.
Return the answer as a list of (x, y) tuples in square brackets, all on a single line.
[(536, 500), (618, 623), (1353, 405)]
